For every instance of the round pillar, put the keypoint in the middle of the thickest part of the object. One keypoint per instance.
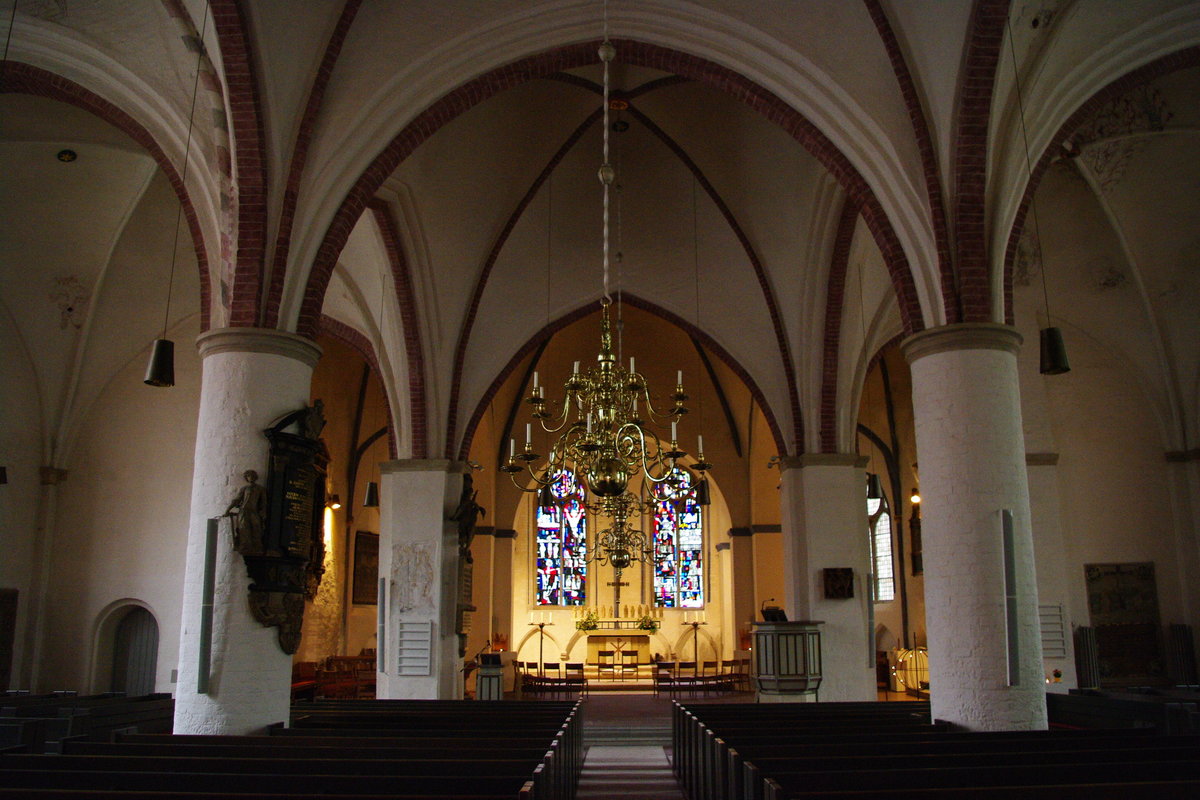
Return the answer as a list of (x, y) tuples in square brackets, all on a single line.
[(250, 378), (985, 654)]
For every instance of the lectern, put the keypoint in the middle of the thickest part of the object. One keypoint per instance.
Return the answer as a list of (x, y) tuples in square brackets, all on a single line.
[(489, 682), (787, 661)]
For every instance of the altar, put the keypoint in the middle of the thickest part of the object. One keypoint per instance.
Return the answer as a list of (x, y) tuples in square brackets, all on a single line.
[(618, 642)]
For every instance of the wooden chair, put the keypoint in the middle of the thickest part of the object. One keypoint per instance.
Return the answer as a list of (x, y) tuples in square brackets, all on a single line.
[(606, 665), (629, 663), (686, 676), (551, 669), (574, 678), (364, 683), (664, 678)]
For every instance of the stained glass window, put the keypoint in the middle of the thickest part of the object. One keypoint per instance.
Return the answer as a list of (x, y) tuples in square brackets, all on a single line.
[(880, 522), (561, 543), (678, 544)]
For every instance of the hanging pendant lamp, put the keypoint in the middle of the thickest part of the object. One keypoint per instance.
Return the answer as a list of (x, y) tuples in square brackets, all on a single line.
[(874, 486), (161, 369), (1054, 352), (160, 372), (371, 496)]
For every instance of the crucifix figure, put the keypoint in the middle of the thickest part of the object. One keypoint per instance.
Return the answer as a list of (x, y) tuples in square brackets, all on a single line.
[(617, 584)]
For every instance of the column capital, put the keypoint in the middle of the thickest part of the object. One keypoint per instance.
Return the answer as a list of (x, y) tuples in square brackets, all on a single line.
[(258, 340), (822, 460), (962, 336), (423, 465)]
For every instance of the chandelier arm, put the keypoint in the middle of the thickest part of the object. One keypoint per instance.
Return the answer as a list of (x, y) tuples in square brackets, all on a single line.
[(562, 420)]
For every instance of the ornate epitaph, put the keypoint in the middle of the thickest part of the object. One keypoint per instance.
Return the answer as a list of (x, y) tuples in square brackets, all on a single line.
[(285, 551)]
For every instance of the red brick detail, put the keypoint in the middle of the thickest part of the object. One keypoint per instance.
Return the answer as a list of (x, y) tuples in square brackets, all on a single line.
[(250, 161), (21, 78), (985, 37), (407, 301), (781, 340), (291, 190), (1186, 58), (637, 53), (336, 329), (562, 322), (929, 164), (835, 297), (464, 337)]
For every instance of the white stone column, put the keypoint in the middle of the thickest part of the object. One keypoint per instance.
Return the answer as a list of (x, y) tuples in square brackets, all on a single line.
[(418, 559), (824, 516), (250, 378), (970, 445)]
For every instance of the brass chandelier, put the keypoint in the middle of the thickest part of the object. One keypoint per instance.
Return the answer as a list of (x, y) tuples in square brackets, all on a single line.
[(603, 438)]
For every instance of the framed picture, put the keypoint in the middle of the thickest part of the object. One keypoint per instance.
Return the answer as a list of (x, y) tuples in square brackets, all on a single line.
[(839, 583), (366, 568)]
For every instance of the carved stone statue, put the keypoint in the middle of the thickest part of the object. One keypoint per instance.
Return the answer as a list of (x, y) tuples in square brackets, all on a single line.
[(465, 515), (249, 510)]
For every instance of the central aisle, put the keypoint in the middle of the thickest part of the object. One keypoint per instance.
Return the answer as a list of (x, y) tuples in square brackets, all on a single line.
[(616, 772)]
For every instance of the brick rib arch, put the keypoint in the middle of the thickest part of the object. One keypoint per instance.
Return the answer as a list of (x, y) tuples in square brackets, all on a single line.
[(415, 352), (924, 139), (781, 340), (291, 189), (336, 329), (21, 78), (249, 158), (835, 296), (464, 337), (972, 301), (645, 305), (637, 53)]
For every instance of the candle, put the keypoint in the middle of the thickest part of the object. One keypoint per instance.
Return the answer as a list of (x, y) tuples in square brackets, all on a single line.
[(589, 422), (700, 443), (631, 367), (679, 377), (535, 380), (673, 436), (528, 432), (576, 369), (512, 449)]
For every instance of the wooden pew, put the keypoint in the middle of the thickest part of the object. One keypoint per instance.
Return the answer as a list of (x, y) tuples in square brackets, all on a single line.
[(217, 783), (740, 753), (403, 749), (967, 779)]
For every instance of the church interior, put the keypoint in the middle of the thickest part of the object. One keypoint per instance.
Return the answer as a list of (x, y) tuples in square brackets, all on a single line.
[(922, 274)]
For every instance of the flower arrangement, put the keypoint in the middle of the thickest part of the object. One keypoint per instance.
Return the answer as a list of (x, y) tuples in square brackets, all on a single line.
[(648, 623), (588, 622)]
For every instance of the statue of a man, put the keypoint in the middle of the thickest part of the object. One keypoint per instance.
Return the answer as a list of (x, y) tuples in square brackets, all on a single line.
[(249, 510)]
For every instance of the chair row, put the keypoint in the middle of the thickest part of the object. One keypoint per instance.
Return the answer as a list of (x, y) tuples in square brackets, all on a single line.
[(551, 678), (712, 676)]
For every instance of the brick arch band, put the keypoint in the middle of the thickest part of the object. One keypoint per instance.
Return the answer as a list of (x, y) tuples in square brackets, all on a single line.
[(336, 329), (20, 78), (572, 56), (557, 325), (1172, 62)]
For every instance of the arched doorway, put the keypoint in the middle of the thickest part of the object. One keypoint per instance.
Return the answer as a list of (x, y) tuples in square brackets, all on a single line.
[(135, 653)]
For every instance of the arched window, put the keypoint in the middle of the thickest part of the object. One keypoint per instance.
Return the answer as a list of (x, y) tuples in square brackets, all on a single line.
[(561, 545), (678, 544), (879, 523)]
